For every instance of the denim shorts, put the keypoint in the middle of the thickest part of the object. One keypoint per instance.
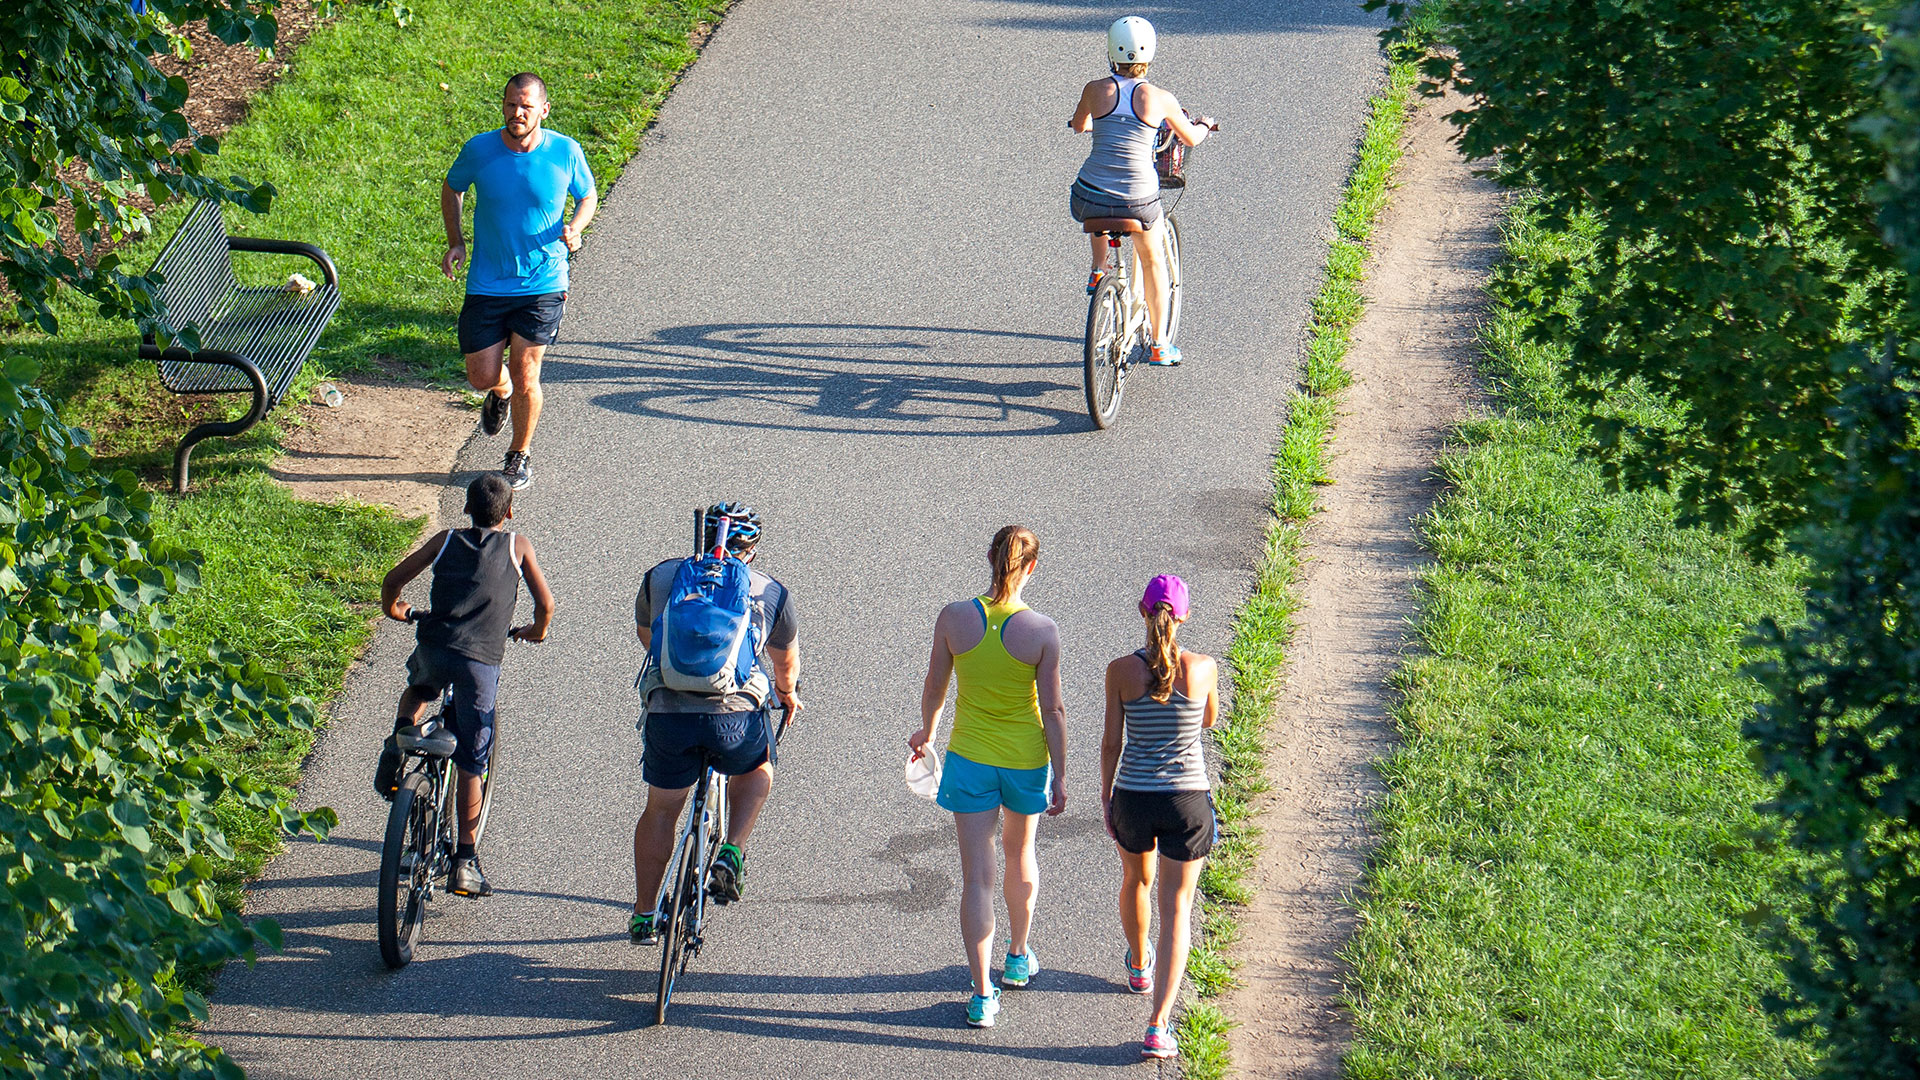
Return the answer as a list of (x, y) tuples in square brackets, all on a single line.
[(968, 787), (679, 745), (431, 670), (1084, 202)]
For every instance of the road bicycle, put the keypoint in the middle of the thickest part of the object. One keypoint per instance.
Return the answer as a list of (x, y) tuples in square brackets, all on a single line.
[(418, 850), (682, 901), (1119, 328)]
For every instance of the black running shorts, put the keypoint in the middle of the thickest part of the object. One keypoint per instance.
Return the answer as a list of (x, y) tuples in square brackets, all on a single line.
[(485, 321), (1179, 823)]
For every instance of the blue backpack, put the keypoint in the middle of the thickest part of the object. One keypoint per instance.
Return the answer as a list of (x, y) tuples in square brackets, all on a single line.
[(704, 640)]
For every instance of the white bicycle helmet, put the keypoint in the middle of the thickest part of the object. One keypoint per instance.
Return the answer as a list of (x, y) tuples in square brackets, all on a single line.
[(1130, 41)]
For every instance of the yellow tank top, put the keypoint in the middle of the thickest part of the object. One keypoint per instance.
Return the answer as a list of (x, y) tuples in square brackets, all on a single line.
[(996, 716)]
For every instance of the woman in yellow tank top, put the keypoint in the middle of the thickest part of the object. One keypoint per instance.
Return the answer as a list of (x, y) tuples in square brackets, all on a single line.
[(1008, 751)]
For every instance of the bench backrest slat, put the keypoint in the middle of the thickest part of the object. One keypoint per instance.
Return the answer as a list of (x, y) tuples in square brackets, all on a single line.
[(200, 285)]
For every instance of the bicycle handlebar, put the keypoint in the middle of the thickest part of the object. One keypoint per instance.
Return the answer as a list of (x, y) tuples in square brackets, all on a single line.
[(415, 615)]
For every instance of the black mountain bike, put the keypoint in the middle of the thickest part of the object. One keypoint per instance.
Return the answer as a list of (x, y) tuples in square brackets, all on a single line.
[(420, 842), (685, 889)]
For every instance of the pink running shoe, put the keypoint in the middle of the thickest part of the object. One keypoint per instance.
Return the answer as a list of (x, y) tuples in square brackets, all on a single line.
[(1158, 1044), (1140, 979)]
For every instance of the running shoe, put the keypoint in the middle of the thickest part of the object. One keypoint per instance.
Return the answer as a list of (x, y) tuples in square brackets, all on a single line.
[(1158, 1044), (386, 775), (645, 929), (729, 872), (1093, 280), (493, 413), (1020, 970), (516, 471), (1140, 979), (982, 1009), (1164, 356), (465, 879)]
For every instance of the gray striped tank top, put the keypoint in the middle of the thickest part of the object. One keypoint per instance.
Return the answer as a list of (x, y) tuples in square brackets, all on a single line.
[(1162, 748), (1121, 163)]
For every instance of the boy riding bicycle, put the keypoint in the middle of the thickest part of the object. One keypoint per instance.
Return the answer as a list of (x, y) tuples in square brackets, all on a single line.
[(686, 729), (462, 639)]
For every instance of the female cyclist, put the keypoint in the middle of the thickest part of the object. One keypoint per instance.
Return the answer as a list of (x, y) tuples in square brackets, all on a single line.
[(1153, 780), (1125, 114), (1009, 725)]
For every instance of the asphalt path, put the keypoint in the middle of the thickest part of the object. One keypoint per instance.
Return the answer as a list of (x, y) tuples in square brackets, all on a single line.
[(838, 280)]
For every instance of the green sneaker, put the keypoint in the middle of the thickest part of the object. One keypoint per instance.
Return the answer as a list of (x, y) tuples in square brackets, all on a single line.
[(1019, 970), (981, 1011), (729, 871), (645, 929)]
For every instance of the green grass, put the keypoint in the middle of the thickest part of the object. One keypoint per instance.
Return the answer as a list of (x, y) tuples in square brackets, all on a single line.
[(1570, 861), (1263, 626), (357, 138)]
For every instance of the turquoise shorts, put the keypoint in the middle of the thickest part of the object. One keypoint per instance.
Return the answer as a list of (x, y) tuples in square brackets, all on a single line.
[(968, 787)]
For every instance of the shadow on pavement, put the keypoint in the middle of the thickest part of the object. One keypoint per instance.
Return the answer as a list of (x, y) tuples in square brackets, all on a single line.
[(1196, 16), (838, 378)]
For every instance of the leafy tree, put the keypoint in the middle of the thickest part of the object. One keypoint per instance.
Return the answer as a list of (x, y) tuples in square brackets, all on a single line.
[(106, 798), (1718, 143), (91, 123), (1730, 155)]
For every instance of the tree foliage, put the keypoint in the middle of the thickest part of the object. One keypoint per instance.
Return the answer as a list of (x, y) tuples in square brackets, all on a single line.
[(90, 123), (107, 825), (1752, 171)]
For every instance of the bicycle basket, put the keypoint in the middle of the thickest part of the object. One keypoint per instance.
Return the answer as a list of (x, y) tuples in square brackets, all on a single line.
[(1170, 159)]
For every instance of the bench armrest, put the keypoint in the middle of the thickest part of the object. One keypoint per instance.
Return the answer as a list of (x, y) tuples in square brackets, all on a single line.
[(287, 247)]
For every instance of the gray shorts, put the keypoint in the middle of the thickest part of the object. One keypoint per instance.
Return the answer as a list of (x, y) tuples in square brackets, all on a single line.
[(1086, 202)]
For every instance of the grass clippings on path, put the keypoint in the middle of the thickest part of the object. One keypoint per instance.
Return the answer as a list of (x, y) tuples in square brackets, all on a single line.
[(1567, 870), (1262, 627)]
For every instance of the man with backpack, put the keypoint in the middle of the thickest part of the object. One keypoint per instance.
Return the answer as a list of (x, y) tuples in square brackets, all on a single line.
[(722, 642)]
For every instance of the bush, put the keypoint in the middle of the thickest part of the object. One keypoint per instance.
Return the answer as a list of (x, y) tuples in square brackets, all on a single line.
[(107, 826)]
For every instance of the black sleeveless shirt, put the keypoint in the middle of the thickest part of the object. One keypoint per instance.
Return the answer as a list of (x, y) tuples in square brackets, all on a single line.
[(476, 581)]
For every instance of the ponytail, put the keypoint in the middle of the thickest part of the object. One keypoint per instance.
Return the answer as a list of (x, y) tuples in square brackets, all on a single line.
[(1163, 652), (1014, 548)]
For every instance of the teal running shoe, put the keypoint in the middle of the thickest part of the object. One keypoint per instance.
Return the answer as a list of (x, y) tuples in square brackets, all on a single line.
[(1158, 1044), (1020, 970), (981, 1010)]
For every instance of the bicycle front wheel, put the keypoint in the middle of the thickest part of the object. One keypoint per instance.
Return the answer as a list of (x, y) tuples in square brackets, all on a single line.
[(1105, 357), (487, 785), (1172, 253), (406, 864)]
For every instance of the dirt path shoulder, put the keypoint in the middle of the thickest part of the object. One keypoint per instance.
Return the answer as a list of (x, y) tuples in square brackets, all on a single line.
[(390, 445), (1412, 361)]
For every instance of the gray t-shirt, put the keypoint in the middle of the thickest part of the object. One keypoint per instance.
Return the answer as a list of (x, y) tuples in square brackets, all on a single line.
[(772, 615)]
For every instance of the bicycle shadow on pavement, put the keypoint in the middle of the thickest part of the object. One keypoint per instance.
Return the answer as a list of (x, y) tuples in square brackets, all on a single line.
[(840, 378)]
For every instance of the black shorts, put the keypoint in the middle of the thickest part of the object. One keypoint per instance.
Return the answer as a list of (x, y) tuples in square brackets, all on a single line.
[(431, 670), (1085, 202), (1179, 823), (485, 321), (679, 745)]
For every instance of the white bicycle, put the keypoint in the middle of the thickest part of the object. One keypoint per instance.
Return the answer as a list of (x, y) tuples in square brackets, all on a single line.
[(1119, 330)]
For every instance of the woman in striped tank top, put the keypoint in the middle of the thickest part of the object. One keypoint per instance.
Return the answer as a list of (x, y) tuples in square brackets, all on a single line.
[(1153, 777)]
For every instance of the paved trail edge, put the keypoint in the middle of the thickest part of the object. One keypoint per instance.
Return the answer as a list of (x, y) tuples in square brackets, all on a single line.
[(1410, 361)]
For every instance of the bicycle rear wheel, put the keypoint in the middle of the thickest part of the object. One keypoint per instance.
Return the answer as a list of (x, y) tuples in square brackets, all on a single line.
[(1172, 231), (677, 929), (406, 867), (1105, 360)]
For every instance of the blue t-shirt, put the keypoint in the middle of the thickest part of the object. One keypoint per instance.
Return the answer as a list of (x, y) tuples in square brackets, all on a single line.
[(518, 213)]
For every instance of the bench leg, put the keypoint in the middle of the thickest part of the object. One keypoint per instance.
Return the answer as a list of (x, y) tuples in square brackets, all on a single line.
[(220, 429)]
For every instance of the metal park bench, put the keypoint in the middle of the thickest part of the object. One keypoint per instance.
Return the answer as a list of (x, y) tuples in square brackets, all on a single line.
[(252, 339)]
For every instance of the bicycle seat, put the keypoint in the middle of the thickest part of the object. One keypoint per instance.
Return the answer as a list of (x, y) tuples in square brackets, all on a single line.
[(1112, 225), (430, 739)]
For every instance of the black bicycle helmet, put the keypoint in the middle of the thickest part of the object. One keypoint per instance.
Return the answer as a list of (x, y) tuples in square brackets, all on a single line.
[(743, 526)]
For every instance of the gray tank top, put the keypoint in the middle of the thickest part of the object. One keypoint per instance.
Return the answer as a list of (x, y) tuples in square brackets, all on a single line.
[(1162, 750), (1121, 163)]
